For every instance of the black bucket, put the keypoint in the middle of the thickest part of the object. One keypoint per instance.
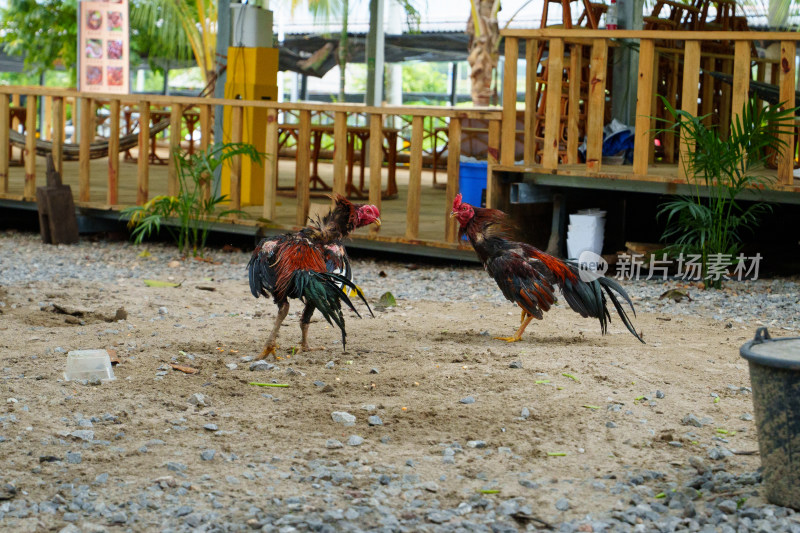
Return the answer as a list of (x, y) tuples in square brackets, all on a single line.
[(775, 378)]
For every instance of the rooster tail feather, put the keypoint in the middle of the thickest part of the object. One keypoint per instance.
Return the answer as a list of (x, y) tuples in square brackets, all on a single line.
[(354, 289), (608, 284)]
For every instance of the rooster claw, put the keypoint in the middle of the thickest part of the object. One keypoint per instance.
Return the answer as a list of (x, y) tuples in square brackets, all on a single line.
[(307, 348), (508, 339), (268, 350)]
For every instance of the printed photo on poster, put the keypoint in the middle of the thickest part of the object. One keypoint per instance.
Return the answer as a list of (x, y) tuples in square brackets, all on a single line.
[(104, 59)]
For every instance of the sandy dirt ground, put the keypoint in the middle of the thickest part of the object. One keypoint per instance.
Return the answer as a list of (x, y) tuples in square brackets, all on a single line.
[(594, 410)]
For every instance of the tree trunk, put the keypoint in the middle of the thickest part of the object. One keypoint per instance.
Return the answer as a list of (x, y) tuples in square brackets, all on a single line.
[(483, 51), (343, 49)]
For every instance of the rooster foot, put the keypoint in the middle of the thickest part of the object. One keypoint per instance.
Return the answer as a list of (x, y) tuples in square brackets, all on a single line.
[(268, 350), (307, 348), (508, 339)]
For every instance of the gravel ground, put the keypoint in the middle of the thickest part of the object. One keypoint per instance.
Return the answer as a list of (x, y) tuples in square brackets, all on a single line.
[(177, 455)]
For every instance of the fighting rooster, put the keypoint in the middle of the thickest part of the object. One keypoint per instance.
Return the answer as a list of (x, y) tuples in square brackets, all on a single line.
[(312, 266), (528, 277)]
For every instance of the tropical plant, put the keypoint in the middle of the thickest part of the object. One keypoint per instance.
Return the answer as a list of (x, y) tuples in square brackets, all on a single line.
[(194, 208), (710, 221)]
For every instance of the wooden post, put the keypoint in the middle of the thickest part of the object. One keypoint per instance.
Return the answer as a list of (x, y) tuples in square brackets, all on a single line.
[(453, 168), (691, 89), (573, 110), (552, 116), (58, 134), (205, 141), (237, 115), (303, 177), (509, 126), (143, 163), (787, 97), (414, 179), (112, 197), (654, 107), (375, 162), (15, 101), (597, 102), (30, 147), (175, 128), (528, 137), (5, 125), (271, 166), (340, 153), (492, 187), (725, 102), (707, 99), (741, 79), (644, 105), (47, 124), (672, 89)]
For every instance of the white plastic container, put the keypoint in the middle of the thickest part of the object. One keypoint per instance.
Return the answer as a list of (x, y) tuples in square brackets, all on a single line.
[(88, 364)]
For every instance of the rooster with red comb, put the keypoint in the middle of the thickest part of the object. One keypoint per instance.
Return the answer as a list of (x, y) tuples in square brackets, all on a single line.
[(528, 276), (311, 266)]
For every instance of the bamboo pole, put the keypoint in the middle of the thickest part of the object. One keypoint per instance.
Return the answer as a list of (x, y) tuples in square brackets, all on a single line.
[(303, 177), (113, 154), (143, 163), (787, 76), (340, 153), (271, 167), (175, 129), (5, 146), (552, 117), (644, 102), (30, 147), (453, 169), (414, 180), (509, 126), (237, 120), (597, 102), (691, 74), (375, 162)]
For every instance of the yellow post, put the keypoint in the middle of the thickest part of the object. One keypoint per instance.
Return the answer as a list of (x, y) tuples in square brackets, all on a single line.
[(252, 75)]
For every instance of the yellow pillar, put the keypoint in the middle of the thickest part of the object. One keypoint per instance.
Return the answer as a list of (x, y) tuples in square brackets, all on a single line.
[(252, 75)]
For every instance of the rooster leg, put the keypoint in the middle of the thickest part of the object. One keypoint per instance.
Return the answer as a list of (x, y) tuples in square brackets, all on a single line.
[(518, 335), (270, 347), (304, 323)]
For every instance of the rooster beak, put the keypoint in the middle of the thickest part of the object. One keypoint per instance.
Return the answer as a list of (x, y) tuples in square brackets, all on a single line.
[(378, 222), (452, 214)]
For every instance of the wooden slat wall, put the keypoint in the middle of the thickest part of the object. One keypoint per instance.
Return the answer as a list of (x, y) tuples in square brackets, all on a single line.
[(414, 179), (113, 154), (453, 169), (375, 162), (5, 125), (644, 104), (787, 76), (508, 141), (555, 67), (30, 147), (143, 185), (691, 89), (303, 180), (237, 122), (597, 105), (271, 167)]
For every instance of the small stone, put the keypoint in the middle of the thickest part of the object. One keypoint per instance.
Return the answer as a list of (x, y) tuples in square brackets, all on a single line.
[(691, 420), (83, 434), (119, 518), (373, 370), (375, 420), (467, 400), (562, 504), (210, 427), (476, 444), (208, 455), (430, 486), (232, 366), (355, 440), (333, 444), (99, 479), (746, 416), (162, 310), (675, 444), (330, 364), (515, 364), (610, 424), (698, 464), (261, 365), (344, 418), (74, 458), (198, 399), (525, 413), (727, 506), (659, 395)]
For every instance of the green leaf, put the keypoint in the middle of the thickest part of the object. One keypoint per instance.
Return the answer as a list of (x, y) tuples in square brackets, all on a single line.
[(387, 300), (158, 283)]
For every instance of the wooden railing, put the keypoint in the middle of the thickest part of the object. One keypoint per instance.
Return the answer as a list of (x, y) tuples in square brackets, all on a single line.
[(650, 43), (54, 99)]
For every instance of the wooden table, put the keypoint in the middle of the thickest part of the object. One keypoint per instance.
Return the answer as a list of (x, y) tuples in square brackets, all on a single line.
[(354, 133), (157, 115)]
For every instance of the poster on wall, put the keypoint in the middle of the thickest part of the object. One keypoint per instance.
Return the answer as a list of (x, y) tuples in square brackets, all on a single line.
[(103, 51)]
